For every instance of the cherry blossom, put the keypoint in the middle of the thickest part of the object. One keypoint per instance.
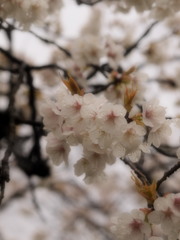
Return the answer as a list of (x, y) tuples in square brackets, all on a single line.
[(131, 226), (28, 12), (153, 114), (58, 149), (103, 127), (167, 215)]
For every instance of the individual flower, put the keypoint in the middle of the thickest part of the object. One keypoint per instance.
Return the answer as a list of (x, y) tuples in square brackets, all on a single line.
[(113, 51), (174, 200), (118, 150), (132, 137), (92, 165), (166, 214), (61, 94), (92, 168), (92, 146), (153, 114), (86, 50), (131, 226), (101, 138), (111, 117), (91, 106), (57, 149), (71, 107), (134, 156), (50, 114), (158, 135)]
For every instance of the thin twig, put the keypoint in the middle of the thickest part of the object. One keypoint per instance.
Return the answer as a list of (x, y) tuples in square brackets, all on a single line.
[(138, 171), (135, 45), (101, 88), (32, 188), (88, 2), (12, 27), (35, 68), (168, 174), (50, 66), (165, 153), (11, 57), (52, 42), (28, 122)]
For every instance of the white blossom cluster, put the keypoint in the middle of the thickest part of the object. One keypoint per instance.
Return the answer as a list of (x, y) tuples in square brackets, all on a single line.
[(159, 8), (104, 129), (160, 224), (90, 49), (27, 12)]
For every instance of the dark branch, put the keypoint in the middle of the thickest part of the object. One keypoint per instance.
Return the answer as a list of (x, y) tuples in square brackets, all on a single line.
[(88, 2), (104, 68), (4, 172), (35, 68), (9, 27), (4, 168), (164, 152), (53, 43), (135, 45), (28, 122), (138, 171), (10, 57), (168, 174)]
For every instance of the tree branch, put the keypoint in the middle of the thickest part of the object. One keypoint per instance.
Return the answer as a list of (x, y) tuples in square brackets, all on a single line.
[(4, 168), (51, 42), (35, 68), (88, 2), (10, 57), (168, 174), (164, 152), (11, 27), (4, 172), (135, 45), (138, 171)]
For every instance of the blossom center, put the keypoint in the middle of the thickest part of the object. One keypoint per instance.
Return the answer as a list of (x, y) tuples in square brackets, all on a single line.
[(77, 106), (130, 132), (62, 149), (111, 116), (136, 225), (168, 213), (111, 55), (149, 114)]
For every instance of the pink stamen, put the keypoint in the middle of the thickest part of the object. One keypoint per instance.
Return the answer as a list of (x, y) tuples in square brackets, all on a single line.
[(136, 225)]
